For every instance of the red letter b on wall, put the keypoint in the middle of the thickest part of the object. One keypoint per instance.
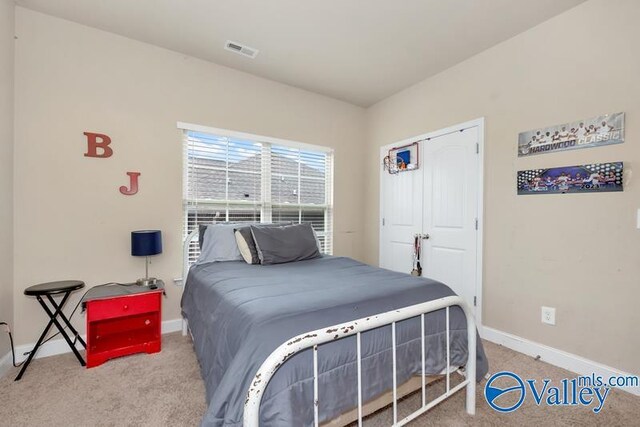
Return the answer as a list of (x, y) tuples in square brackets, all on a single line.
[(98, 141)]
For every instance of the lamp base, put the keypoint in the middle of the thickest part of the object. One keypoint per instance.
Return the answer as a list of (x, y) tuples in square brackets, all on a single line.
[(147, 281)]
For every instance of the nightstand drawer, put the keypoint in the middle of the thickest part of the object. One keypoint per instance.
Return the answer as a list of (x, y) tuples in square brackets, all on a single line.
[(123, 306)]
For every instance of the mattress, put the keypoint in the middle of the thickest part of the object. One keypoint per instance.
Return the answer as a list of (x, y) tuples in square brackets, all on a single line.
[(239, 313)]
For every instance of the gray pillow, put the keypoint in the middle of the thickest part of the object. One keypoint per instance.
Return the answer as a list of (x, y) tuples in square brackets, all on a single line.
[(202, 229), (219, 244), (277, 245), (247, 245)]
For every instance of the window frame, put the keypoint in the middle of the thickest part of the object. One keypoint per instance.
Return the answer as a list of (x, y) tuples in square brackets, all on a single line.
[(264, 204)]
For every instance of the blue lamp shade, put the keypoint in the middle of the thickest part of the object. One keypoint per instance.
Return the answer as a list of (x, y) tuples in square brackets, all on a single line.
[(146, 242)]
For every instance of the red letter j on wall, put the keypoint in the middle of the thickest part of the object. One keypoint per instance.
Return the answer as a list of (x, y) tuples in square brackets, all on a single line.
[(133, 184)]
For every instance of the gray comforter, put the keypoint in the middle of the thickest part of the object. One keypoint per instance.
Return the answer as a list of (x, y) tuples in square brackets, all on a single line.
[(239, 313)]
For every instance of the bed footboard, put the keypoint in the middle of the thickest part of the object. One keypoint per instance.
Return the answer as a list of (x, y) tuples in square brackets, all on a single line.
[(318, 337)]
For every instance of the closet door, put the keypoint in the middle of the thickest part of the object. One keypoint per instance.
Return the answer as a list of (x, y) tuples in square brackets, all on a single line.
[(401, 216), (449, 254)]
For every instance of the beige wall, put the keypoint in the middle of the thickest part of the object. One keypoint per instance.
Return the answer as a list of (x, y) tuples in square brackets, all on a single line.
[(583, 259), (579, 253), (70, 218), (6, 168)]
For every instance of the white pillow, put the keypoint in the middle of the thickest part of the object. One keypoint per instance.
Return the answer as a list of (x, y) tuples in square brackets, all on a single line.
[(219, 244), (243, 247)]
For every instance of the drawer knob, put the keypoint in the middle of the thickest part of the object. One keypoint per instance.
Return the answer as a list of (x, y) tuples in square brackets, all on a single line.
[(126, 307)]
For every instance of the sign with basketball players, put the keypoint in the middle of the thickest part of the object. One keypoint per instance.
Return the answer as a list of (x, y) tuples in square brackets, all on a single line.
[(594, 178), (594, 132)]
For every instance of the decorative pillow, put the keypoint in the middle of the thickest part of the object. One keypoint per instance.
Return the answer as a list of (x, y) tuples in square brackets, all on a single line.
[(247, 245), (219, 244), (277, 245)]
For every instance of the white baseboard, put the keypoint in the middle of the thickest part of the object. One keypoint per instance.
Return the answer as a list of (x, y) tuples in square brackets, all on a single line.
[(6, 362), (553, 356), (59, 346), (169, 326)]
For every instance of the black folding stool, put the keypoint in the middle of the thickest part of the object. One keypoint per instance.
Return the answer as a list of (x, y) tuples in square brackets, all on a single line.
[(48, 290)]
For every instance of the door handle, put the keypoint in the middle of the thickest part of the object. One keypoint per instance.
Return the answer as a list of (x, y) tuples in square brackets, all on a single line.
[(425, 236)]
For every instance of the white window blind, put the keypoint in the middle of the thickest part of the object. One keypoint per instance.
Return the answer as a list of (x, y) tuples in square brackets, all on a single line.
[(228, 179)]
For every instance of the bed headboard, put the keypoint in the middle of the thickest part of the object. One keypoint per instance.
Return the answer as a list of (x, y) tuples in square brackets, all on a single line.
[(185, 255)]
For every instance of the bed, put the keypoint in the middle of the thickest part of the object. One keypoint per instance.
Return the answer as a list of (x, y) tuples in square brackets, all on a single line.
[(240, 316)]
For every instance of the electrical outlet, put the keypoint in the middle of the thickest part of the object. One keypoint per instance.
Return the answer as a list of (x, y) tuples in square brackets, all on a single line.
[(549, 315)]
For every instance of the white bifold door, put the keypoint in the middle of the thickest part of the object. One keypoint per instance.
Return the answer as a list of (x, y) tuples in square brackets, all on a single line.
[(439, 202)]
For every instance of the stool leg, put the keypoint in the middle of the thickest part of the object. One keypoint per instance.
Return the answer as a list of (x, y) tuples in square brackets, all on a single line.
[(35, 349), (59, 326), (64, 318)]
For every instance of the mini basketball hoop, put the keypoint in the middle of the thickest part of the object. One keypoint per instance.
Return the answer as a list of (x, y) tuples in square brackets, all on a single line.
[(390, 165), (402, 159)]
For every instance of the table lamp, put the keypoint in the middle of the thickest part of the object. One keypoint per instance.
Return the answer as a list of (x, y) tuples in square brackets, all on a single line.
[(146, 243)]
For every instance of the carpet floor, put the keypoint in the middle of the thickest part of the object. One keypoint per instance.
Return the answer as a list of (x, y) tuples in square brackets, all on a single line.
[(165, 389)]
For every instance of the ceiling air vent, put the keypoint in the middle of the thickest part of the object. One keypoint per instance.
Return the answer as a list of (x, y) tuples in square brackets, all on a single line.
[(241, 49)]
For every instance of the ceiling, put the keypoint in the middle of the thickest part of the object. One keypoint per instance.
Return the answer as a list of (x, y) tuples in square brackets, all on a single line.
[(359, 51)]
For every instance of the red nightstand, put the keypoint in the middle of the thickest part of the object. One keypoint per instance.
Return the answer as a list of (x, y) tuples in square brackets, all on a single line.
[(122, 320)]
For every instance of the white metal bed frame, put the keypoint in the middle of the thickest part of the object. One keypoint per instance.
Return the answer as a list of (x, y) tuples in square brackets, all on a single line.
[(313, 339)]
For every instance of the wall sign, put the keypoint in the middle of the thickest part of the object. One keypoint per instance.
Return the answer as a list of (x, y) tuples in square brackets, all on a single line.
[(593, 132), (594, 178), (99, 146)]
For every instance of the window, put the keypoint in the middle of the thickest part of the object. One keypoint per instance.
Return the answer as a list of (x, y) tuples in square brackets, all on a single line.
[(245, 178)]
